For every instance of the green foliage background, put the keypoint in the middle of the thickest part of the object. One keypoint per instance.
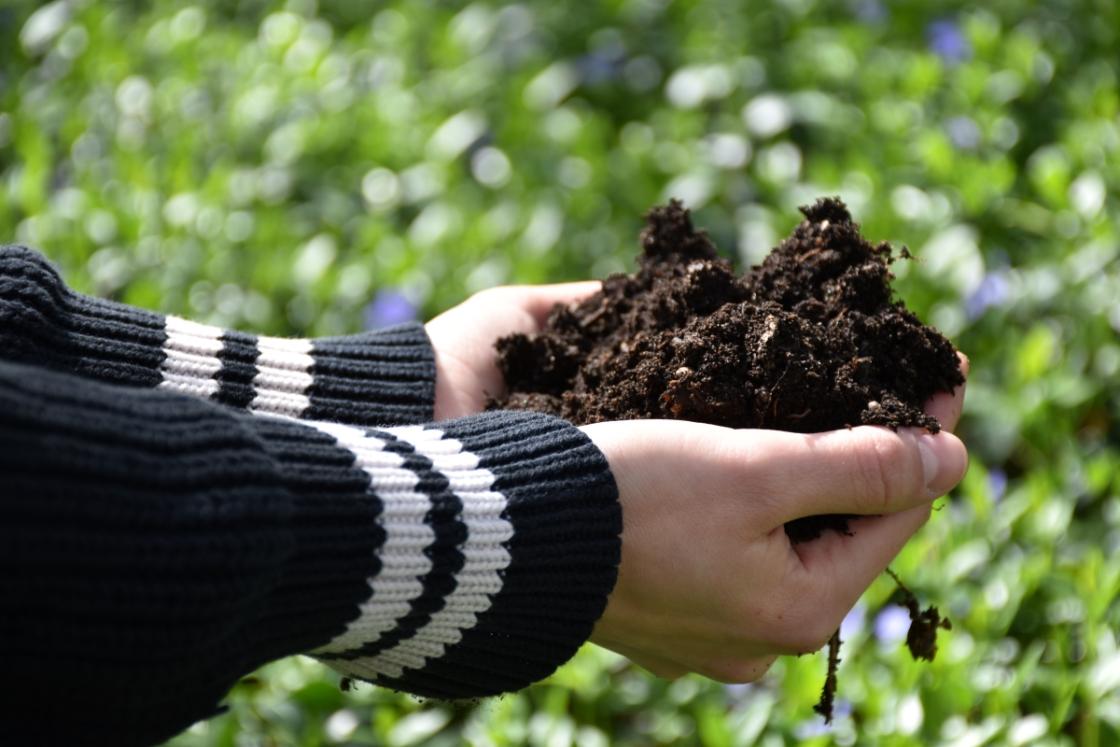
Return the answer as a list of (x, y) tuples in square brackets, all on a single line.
[(270, 166)]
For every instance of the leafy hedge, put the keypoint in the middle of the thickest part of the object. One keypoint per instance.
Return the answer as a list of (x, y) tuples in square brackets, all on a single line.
[(300, 168)]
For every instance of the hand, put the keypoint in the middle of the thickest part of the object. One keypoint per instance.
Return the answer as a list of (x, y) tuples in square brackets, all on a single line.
[(709, 581), (463, 339)]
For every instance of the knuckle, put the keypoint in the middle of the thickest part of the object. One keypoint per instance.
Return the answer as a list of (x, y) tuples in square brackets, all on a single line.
[(881, 466)]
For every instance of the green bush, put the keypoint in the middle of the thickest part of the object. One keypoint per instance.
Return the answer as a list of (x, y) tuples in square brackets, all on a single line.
[(274, 167)]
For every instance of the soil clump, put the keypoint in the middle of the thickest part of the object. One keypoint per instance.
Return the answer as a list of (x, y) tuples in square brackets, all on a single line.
[(810, 340)]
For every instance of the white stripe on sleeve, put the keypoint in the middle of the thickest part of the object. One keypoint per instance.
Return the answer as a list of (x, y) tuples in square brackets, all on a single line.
[(191, 357), (283, 376), (403, 562), (485, 557)]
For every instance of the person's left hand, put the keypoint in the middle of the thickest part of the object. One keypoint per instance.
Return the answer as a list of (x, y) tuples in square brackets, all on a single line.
[(463, 339)]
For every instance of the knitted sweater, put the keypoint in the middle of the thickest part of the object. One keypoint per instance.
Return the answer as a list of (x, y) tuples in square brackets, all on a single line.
[(181, 504)]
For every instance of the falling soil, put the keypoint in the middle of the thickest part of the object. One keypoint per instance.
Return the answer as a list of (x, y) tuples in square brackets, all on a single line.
[(810, 340)]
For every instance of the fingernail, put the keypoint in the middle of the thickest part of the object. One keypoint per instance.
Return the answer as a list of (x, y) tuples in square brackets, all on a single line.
[(930, 463)]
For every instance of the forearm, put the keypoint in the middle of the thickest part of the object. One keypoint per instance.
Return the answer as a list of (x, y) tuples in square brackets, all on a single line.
[(377, 378), (156, 547)]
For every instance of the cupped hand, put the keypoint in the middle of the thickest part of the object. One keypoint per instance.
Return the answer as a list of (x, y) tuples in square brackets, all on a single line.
[(463, 339), (709, 582)]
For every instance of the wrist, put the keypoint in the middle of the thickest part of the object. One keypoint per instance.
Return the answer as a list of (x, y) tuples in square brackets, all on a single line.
[(457, 391)]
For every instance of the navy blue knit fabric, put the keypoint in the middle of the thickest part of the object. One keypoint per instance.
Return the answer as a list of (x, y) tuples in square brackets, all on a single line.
[(383, 377), (180, 504), (154, 548), (41, 321)]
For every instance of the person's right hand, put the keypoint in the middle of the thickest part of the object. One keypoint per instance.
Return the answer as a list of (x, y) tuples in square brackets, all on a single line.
[(709, 582)]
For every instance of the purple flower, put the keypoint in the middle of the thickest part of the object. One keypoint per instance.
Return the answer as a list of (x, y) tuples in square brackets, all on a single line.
[(389, 307), (997, 483), (964, 132), (853, 622), (993, 290), (947, 42), (892, 624)]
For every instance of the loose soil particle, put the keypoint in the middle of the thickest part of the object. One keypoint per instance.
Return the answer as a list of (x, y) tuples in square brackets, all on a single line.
[(810, 340)]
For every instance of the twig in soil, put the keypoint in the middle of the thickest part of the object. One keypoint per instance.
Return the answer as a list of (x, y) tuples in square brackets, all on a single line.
[(828, 692), (921, 639)]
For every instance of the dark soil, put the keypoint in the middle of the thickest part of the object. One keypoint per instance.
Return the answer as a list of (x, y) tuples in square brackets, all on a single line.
[(810, 340)]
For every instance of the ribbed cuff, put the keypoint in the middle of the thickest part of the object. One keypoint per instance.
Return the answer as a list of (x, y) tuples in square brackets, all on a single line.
[(384, 377), (502, 544)]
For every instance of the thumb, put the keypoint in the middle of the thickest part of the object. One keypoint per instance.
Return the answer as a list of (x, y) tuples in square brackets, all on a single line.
[(867, 470)]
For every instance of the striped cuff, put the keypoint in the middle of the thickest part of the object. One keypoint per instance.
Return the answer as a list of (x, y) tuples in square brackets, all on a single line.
[(501, 546), (376, 378)]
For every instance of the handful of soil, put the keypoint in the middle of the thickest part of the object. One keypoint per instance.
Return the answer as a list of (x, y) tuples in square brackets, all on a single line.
[(810, 340)]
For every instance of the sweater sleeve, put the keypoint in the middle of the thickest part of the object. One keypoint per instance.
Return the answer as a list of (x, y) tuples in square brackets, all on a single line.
[(384, 377), (156, 547)]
